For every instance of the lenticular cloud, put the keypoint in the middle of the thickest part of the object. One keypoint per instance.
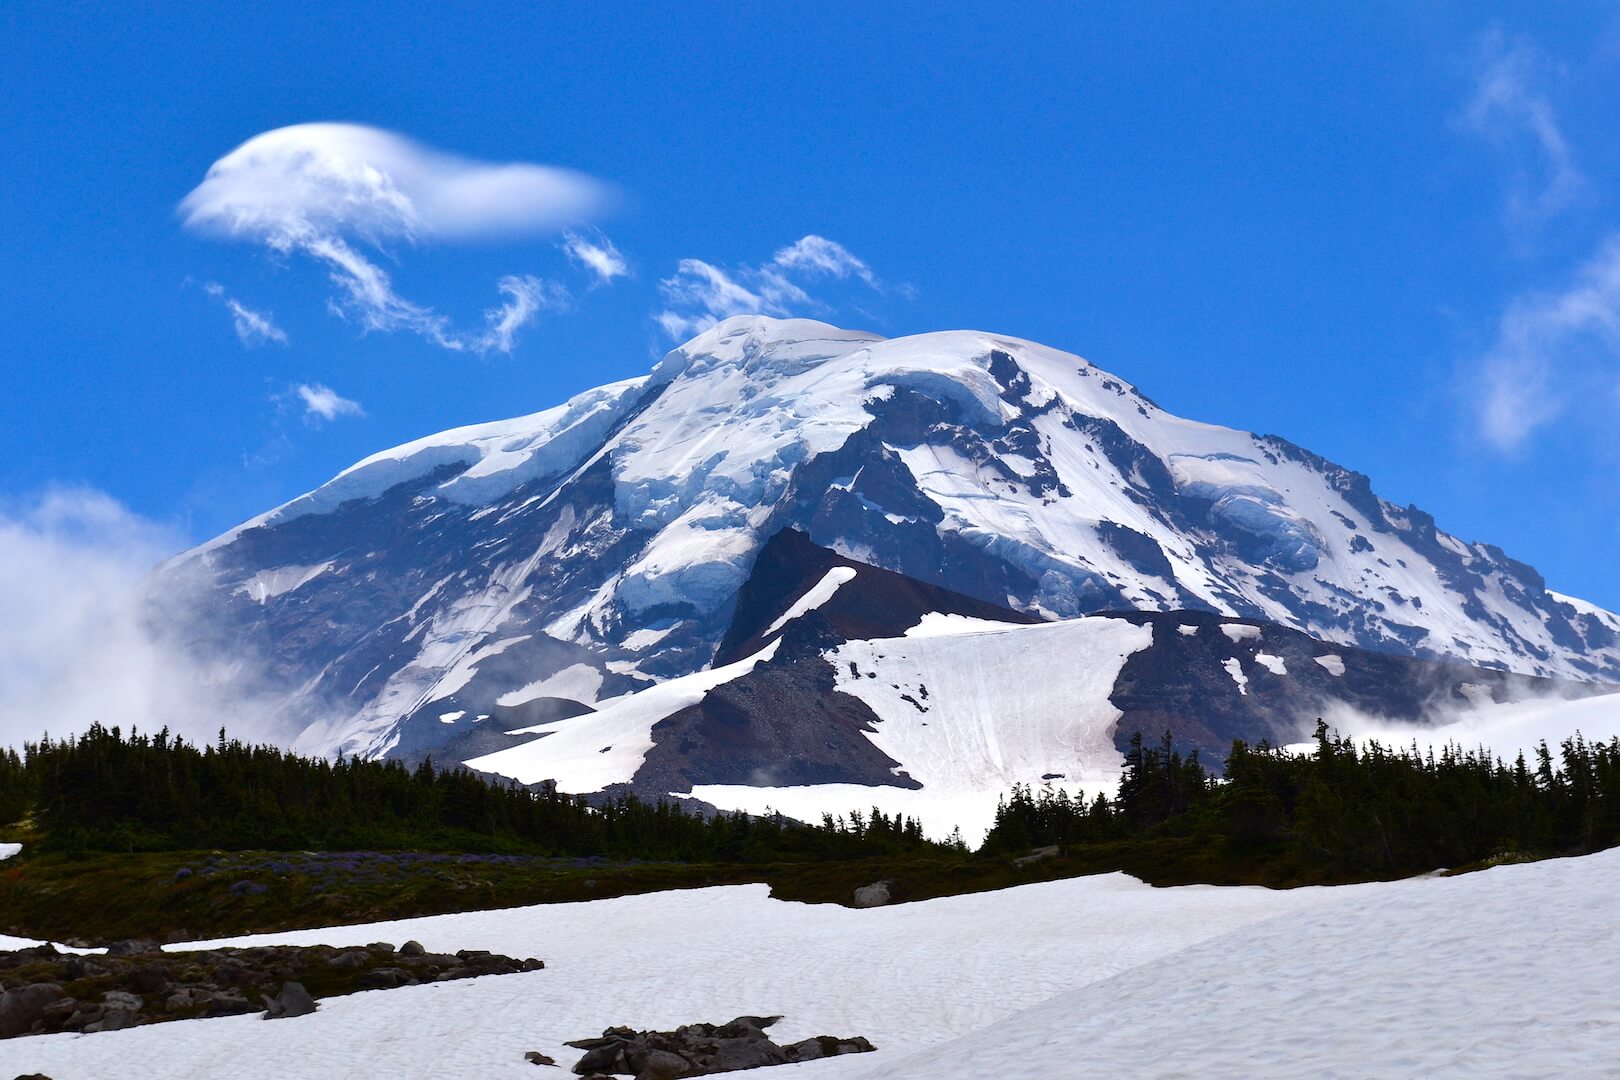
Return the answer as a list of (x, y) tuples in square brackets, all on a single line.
[(327, 191), (349, 179)]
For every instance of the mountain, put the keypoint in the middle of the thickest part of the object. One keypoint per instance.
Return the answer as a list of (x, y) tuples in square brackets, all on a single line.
[(531, 569), (842, 685)]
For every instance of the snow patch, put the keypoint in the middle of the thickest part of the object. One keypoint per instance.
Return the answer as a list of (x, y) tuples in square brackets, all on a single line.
[(1187, 631), (451, 717), (1236, 632), (266, 585), (1333, 663), (818, 594), (587, 753), (577, 682), (1234, 668), (1273, 664)]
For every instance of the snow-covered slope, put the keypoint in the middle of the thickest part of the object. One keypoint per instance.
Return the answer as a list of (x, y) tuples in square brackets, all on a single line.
[(1506, 729), (614, 531), (1508, 972), (843, 686)]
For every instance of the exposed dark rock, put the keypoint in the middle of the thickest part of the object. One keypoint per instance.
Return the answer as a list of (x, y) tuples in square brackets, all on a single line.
[(701, 1050), (133, 947), (885, 604), (43, 991), (22, 1008), (293, 1000)]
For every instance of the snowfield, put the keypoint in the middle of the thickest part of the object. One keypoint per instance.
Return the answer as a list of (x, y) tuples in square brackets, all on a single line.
[(1098, 976), (1505, 729), (969, 708)]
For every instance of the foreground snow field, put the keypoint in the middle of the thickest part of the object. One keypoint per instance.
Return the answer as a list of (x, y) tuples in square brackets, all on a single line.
[(1506, 972)]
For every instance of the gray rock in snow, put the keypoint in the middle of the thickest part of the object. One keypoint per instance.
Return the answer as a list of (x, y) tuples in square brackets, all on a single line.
[(873, 895), (293, 1000)]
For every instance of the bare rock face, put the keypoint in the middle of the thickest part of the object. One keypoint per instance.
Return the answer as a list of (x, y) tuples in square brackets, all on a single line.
[(701, 1050)]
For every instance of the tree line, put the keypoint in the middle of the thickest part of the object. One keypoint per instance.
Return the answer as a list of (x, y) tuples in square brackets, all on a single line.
[(1353, 809), (108, 791)]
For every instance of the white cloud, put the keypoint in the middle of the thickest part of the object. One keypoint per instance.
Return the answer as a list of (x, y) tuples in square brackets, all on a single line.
[(1510, 107), (526, 297), (1549, 347), (352, 179), (323, 403), (819, 255), (82, 642), (699, 294), (597, 254), (323, 189), (252, 327)]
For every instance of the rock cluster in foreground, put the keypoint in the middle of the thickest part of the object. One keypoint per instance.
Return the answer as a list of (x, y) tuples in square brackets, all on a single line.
[(43, 990), (701, 1049)]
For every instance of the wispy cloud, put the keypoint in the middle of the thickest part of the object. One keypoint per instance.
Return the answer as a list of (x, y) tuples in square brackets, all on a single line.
[(252, 327), (82, 641), (597, 254), (328, 191), (699, 294), (526, 297), (1510, 106), (1550, 347), (321, 402), (818, 255)]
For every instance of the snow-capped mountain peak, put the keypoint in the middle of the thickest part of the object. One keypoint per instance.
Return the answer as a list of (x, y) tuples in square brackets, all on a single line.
[(612, 533)]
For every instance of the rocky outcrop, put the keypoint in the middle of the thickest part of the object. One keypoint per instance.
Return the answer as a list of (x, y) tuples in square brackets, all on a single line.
[(701, 1050), (134, 982)]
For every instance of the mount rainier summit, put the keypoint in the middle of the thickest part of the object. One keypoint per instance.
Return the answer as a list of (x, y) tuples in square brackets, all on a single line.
[(523, 573)]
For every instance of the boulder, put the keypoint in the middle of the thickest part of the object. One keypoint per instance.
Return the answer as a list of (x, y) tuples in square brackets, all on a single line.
[(745, 1053), (121, 999), (349, 959), (535, 1057), (21, 1008), (701, 1049), (664, 1065), (825, 1046), (115, 1020), (873, 895), (293, 1000), (412, 948), (608, 1059), (1036, 855)]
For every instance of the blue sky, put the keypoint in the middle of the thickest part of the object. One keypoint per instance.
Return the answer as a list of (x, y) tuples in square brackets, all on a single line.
[(1385, 232)]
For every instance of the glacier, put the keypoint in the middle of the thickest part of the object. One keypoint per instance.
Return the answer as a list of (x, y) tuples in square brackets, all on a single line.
[(607, 537)]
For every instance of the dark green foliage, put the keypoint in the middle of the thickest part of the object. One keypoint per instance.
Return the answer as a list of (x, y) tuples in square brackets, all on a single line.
[(107, 792), (1344, 812), (16, 787)]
